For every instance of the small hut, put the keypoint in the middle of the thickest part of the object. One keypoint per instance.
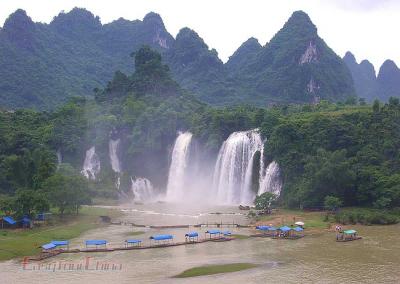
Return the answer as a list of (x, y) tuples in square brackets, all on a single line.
[(162, 239), (213, 234), (284, 231), (96, 243), (297, 232), (192, 237), (8, 222), (129, 243), (61, 244), (48, 247), (347, 235)]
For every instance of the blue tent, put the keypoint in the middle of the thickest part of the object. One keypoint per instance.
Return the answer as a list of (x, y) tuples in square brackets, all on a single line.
[(285, 229), (161, 237), (272, 229), (60, 243), (26, 221), (48, 246), (95, 242), (9, 220), (262, 228), (192, 235), (298, 229), (133, 241), (213, 232), (227, 233), (42, 216)]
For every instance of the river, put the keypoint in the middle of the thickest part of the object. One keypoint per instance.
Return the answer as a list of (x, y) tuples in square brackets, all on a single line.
[(316, 258)]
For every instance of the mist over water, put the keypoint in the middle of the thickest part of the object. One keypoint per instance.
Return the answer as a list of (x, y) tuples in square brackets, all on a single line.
[(231, 182), (91, 164), (235, 176), (142, 190)]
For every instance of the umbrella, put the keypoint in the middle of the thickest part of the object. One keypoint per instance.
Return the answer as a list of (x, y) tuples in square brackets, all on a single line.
[(299, 223)]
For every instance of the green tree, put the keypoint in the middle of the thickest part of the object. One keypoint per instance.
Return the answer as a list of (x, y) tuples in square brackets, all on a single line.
[(28, 202), (7, 204), (332, 203), (67, 190), (265, 201), (376, 106)]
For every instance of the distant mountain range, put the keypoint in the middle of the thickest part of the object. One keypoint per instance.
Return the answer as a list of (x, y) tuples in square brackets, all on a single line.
[(370, 86), (42, 65)]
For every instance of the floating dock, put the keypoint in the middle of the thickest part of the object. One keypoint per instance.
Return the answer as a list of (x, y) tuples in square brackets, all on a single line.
[(47, 254)]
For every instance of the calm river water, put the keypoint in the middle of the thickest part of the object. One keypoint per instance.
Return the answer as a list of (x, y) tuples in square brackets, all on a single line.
[(315, 258)]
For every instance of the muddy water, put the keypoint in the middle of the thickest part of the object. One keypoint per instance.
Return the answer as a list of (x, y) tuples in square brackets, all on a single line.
[(313, 259)]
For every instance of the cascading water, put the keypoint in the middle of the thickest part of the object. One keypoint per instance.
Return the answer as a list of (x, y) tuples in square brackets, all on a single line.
[(59, 158), (113, 153), (113, 146), (270, 179), (142, 190), (91, 165), (233, 170), (179, 164)]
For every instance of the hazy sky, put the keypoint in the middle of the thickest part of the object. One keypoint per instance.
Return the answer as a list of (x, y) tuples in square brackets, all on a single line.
[(368, 28)]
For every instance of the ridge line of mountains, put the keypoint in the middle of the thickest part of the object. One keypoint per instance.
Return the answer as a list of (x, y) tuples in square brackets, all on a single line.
[(42, 65)]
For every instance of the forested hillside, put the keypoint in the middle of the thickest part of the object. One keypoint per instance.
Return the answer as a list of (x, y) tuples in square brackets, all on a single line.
[(345, 150), (42, 65)]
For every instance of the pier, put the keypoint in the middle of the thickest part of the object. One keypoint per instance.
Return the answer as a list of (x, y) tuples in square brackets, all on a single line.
[(51, 253)]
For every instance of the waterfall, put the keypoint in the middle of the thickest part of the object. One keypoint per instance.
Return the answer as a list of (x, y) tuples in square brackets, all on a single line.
[(59, 158), (270, 179), (113, 153), (91, 165), (233, 170), (142, 189), (113, 146), (179, 163)]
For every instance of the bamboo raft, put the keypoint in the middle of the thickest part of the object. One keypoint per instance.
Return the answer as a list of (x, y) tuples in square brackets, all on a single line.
[(288, 237), (215, 224), (349, 239), (47, 254)]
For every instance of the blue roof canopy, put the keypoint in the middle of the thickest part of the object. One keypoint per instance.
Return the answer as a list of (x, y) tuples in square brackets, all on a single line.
[(272, 229), (9, 220), (213, 232), (192, 234), (96, 242), (285, 229), (60, 243), (227, 233), (298, 229), (161, 237), (49, 246), (262, 228), (133, 241), (26, 220)]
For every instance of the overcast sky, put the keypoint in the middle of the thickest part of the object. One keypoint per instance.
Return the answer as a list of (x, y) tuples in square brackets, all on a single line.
[(368, 28)]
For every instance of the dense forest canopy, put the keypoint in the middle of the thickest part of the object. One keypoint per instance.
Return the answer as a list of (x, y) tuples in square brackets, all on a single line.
[(346, 150), (43, 65)]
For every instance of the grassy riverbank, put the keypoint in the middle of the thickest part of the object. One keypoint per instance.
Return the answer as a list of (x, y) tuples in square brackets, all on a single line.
[(215, 269), (314, 220), (23, 242), (322, 220)]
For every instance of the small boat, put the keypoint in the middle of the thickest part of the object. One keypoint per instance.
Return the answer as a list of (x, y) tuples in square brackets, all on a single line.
[(347, 236)]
